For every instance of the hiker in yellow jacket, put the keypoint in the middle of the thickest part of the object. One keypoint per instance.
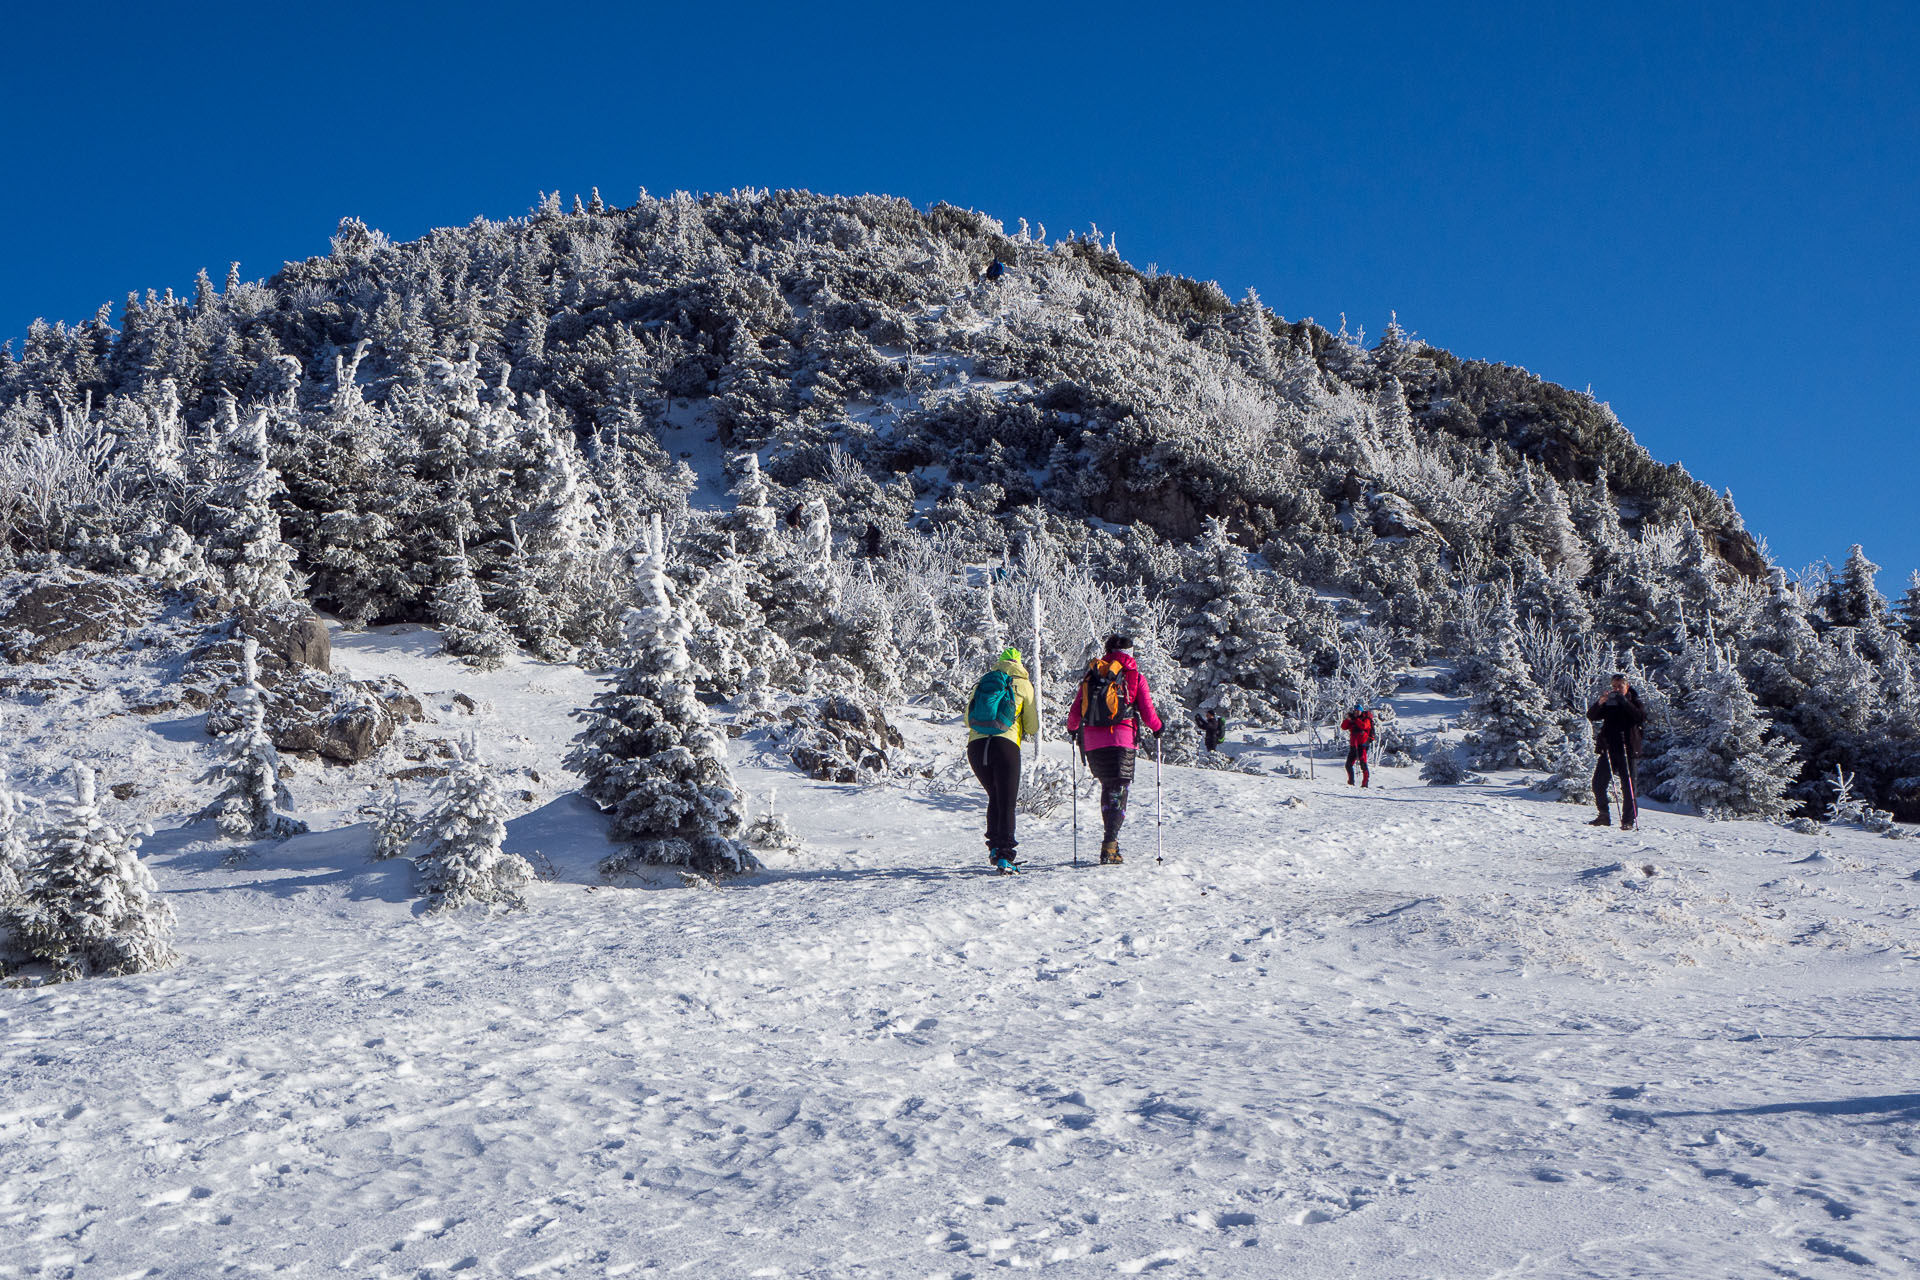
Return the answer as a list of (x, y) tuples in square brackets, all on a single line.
[(1002, 711)]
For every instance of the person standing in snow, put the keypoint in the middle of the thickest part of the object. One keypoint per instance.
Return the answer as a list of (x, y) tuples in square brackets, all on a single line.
[(1358, 727), (1112, 703), (1213, 730), (1618, 716), (1002, 711)]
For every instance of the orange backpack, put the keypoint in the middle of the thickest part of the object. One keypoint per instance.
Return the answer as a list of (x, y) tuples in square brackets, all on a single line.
[(1103, 694)]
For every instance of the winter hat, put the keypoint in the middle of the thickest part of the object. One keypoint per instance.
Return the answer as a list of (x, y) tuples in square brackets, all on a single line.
[(1009, 654), (1359, 706), (1117, 642)]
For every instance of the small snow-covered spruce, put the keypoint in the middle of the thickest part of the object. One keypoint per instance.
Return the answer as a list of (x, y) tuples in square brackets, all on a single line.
[(251, 796), (1443, 768), (463, 862), (13, 840), (394, 827), (649, 755), (467, 630), (1726, 764), (770, 832), (1850, 808), (1572, 776), (90, 908), (1516, 727)]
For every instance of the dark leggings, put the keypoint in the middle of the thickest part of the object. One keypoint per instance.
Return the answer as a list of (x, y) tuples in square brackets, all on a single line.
[(996, 762), (1615, 760), (1357, 752), (1113, 766)]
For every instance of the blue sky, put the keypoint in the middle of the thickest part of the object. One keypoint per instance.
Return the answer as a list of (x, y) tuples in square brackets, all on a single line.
[(1707, 216)]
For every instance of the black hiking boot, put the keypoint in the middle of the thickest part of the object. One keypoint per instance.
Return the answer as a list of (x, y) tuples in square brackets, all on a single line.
[(1601, 822)]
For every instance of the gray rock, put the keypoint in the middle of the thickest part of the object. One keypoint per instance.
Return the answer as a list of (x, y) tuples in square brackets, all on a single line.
[(53, 616)]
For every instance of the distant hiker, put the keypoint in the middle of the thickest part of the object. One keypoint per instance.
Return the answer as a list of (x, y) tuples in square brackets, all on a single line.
[(1213, 730), (1104, 720), (998, 269), (1618, 717), (1358, 727), (1001, 712)]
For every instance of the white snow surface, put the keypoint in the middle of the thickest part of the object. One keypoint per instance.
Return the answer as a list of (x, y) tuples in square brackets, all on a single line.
[(1402, 1032)]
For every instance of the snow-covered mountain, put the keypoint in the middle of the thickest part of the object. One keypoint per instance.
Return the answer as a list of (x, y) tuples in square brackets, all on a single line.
[(473, 427)]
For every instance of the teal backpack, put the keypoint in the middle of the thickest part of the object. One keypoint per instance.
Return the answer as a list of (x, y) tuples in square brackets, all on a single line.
[(993, 708)]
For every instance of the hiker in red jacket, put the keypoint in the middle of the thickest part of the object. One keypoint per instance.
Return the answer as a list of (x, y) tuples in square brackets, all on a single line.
[(1359, 730), (1105, 718)]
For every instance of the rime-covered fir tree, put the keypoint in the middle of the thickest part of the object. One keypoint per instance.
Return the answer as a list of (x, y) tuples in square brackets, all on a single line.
[(1516, 726), (251, 797), (1238, 658), (1719, 756), (13, 840), (394, 826), (467, 630), (463, 863), (90, 907), (1909, 609), (256, 566), (649, 756)]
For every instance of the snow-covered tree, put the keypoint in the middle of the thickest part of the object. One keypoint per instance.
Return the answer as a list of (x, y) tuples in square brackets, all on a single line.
[(1718, 755), (90, 906), (463, 863), (1232, 640), (256, 566), (394, 826), (1516, 727), (649, 755), (251, 800), (1909, 609), (1851, 596), (467, 629), (13, 839)]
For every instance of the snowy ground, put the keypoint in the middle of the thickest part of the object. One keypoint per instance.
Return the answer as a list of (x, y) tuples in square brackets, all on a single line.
[(1410, 1032)]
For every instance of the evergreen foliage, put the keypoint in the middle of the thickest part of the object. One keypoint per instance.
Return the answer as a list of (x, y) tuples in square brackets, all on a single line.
[(463, 863), (649, 756), (1516, 728), (90, 908), (251, 801)]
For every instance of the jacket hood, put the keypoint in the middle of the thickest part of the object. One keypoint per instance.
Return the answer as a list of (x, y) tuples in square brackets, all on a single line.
[(1012, 668), (1125, 659)]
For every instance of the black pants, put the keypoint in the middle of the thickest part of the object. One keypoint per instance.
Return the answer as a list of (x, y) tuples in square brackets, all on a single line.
[(996, 762), (1113, 766), (1614, 759), (1357, 752)]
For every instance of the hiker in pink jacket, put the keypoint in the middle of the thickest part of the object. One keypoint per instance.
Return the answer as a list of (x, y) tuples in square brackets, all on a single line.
[(1105, 719)]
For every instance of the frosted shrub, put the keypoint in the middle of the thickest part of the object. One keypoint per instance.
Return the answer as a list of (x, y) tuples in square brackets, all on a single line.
[(393, 827), (463, 862), (1045, 788), (251, 797), (649, 755), (89, 906), (1443, 769), (770, 831)]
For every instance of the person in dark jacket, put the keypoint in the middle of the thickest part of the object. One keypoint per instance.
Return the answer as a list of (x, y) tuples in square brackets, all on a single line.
[(1108, 734), (1358, 726), (1617, 717), (1213, 730)]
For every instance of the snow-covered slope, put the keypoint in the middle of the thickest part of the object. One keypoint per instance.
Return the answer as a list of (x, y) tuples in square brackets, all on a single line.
[(1402, 1032)]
